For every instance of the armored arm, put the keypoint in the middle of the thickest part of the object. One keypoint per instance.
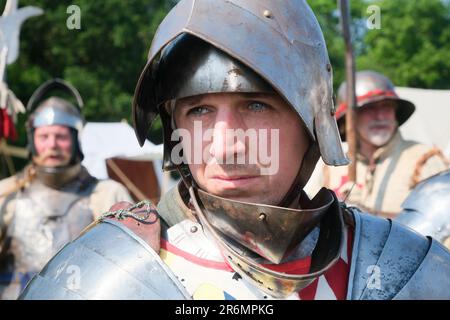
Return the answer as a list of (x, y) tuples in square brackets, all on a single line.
[(116, 257)]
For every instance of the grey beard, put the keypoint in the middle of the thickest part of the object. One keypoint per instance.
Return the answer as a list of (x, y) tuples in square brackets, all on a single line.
[(379, 139)]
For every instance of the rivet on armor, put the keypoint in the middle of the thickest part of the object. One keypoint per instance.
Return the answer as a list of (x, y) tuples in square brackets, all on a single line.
[(262, 216), (267, 14), (194, 229)]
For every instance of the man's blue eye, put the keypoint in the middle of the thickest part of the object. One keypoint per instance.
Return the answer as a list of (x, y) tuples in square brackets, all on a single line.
[(198, 111), (257, 107)]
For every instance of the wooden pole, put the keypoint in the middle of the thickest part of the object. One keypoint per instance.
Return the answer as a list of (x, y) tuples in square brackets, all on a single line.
[(350, 94)]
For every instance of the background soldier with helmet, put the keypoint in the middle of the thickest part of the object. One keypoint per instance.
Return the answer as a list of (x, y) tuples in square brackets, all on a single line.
[(387, 166), (54, 198)]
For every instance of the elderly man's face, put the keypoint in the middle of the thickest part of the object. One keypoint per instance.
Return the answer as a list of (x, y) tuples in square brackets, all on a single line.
[(228, 167), (53, 145), (376, 124)]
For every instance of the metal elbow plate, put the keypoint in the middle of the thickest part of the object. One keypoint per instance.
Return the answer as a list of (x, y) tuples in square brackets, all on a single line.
[(107, 261)]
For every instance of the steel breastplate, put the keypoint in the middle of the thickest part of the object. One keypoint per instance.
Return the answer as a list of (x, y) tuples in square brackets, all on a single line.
[(45, 219)]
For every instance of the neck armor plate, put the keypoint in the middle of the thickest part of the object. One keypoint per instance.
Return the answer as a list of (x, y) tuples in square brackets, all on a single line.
[(57, 177), (249, 233)]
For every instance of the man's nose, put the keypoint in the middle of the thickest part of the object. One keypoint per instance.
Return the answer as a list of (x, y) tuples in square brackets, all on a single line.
[(52, 142), (227, 142), (381, 114)]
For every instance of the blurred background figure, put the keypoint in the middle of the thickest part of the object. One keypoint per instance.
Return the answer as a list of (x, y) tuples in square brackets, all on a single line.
[(54, 198), (388, 166), (427, 208)]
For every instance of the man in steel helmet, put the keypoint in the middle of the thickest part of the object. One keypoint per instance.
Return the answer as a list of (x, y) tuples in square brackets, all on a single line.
[(244, 91), (388, 167), (52, 199)]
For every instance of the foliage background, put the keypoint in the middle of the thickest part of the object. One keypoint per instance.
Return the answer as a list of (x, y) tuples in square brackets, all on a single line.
[(103, 59)]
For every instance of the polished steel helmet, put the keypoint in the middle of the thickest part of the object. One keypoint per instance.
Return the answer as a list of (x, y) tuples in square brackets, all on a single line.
[(370, 87), (427, 208), (56, 111), (280, 43)]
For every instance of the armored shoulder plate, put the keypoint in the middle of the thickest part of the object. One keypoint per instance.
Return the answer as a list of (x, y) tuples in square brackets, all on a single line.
[(108, 261), (390, 261), (427, 207)]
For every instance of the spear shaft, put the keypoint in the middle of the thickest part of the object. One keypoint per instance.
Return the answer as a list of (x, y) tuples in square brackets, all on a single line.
[(350, 94)]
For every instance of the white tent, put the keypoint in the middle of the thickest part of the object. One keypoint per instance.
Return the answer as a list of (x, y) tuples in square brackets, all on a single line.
[(100, 141), (430, 124)]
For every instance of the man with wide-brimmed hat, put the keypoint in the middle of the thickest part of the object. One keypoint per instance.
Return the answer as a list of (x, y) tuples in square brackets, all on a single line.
[(388, 166)]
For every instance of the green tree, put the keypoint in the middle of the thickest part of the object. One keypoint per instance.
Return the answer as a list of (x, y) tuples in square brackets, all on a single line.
[(102, 60), (413, 45), (328, 16)]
